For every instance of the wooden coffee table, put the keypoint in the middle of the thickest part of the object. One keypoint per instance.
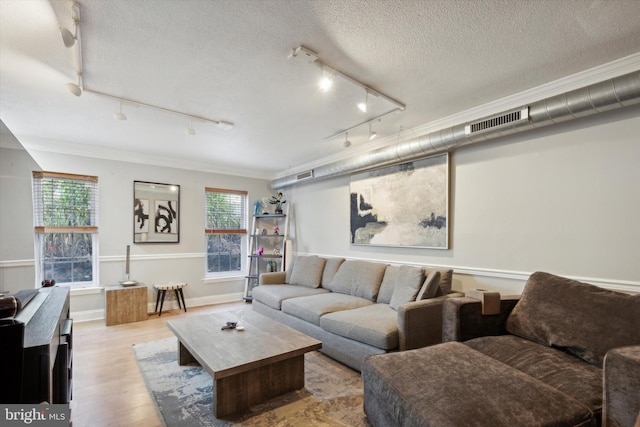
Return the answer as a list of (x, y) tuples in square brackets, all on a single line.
[(264, 360)]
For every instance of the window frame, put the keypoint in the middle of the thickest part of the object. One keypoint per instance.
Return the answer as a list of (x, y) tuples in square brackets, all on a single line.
[(41, 229), (243, 232)]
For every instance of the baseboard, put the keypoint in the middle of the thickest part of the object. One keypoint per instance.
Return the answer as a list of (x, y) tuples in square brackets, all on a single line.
[(87, 315), (172, 304)]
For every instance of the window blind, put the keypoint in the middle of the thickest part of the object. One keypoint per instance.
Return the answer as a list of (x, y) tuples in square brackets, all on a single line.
[(225, 211)]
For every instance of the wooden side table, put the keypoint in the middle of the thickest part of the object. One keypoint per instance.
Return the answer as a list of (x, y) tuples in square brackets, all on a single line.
[(125, 304)]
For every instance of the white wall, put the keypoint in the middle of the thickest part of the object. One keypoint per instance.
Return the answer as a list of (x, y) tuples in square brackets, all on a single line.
[(150, 263), (563, 199)]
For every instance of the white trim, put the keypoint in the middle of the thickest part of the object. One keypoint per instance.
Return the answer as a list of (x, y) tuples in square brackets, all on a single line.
[(152, 257), (17, 263), (198, 301), (223, 278), (89, 290), (88, 315)]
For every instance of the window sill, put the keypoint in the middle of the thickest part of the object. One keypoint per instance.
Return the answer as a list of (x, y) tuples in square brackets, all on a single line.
[(223, 278), (87, 290)]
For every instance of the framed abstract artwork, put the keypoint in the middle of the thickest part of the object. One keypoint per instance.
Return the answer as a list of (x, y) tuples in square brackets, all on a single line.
[(402, 205), (156, 210)]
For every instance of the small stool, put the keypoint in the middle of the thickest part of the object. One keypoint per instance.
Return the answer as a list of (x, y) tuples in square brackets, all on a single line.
[(162, 292)]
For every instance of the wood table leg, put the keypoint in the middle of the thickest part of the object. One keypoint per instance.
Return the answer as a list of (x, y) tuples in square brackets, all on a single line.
[(184, 356), (234, 393)]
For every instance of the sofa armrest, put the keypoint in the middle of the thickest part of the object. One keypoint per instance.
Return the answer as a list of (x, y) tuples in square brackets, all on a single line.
[(463, 319), (275, 278), (621, 396), (420, 322)]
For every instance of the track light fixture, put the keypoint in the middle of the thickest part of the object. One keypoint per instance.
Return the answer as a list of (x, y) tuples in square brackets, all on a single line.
[(75, 88), (372, 133), (120, 115), (69, 38), (190, 130), (363, 105), (347, 143)]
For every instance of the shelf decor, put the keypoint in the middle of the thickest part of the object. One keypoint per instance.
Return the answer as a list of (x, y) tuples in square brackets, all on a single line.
[(402, 205)]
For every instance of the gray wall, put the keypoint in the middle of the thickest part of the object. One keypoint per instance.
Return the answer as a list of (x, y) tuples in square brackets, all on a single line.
[(563, 199), (150, 263)]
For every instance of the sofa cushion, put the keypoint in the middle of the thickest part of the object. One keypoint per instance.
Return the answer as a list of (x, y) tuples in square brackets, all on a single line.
[(451, 384), (430, 286), (330, 268), (410, 280), (388, 284), (583, 319), (562, 371), (446, 280), (359, 278), (273, 295), (307, 271), (310, 308), (375, 324)]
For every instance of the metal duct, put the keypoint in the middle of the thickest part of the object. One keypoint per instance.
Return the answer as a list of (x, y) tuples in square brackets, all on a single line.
[(608, 95)]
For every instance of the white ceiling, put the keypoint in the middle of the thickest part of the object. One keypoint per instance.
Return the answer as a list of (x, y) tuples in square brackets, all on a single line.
[(228, 60)]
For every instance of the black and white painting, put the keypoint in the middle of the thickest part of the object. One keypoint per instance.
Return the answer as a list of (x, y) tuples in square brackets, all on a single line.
[(402, 205), (166, 217), (141, 216)]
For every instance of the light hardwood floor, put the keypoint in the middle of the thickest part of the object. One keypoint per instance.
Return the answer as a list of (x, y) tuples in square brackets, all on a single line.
[(108, 389)]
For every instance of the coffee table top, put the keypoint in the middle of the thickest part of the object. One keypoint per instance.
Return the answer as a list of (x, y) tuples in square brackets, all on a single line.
[(227, 352)]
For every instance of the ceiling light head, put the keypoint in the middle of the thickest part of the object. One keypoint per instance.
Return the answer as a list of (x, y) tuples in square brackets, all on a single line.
[(372, 133), (326, 82), (120, 115), (67, 37), (363, 105), (75, 88), (346, 143), (225, 125)]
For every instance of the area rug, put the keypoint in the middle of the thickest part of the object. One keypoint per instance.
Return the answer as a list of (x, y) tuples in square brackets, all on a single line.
[(332, 395)]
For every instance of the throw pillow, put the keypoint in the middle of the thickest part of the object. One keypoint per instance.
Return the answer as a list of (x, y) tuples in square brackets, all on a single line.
[(583, 319), (388, 284), (330, 268), (409, 282), (446, 279), (430, 286), (307, 271)]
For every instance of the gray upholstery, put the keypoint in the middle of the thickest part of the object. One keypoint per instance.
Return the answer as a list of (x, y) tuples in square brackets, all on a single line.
[(374, 324), (353, 325), (359, 278), (312, 307), (274, 295), (430, 286), (451, 384), (408, 284), (307, 271), (583, 319), (330, 268)]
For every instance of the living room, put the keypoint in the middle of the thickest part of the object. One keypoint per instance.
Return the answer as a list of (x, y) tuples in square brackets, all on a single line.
[(561, 198)]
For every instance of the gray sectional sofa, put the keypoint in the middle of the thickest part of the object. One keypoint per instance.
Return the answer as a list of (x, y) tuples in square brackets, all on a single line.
[(565, 353), (357, 308)]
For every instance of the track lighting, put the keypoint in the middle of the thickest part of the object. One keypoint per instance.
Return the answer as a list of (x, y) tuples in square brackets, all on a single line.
[(347, 143), (190, 130), (372, 133), (363, 105), (74, 88), (120, 115), (326, 82), (69, 38)]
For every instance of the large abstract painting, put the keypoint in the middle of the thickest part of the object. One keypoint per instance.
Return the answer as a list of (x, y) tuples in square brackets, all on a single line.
[(402, 205)]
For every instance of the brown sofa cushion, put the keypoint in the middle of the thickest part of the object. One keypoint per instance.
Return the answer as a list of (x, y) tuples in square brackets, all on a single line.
[(430, 286), (580, 318), (446, 281)]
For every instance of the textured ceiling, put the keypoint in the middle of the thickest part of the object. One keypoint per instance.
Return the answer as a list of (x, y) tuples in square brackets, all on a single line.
[(228, 60)]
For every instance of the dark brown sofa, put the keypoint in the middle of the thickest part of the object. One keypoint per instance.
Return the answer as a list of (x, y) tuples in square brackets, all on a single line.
[(541, 362)]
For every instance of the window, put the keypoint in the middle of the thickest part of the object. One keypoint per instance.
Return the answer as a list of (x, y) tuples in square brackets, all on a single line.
[(65, 212), (225, 230)]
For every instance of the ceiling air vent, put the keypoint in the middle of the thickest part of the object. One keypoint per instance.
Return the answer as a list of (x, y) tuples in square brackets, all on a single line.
[(497, 122), (304, 175)]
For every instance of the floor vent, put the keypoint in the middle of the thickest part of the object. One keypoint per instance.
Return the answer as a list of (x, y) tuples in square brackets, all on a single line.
[(496, 122), (304, 175)]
